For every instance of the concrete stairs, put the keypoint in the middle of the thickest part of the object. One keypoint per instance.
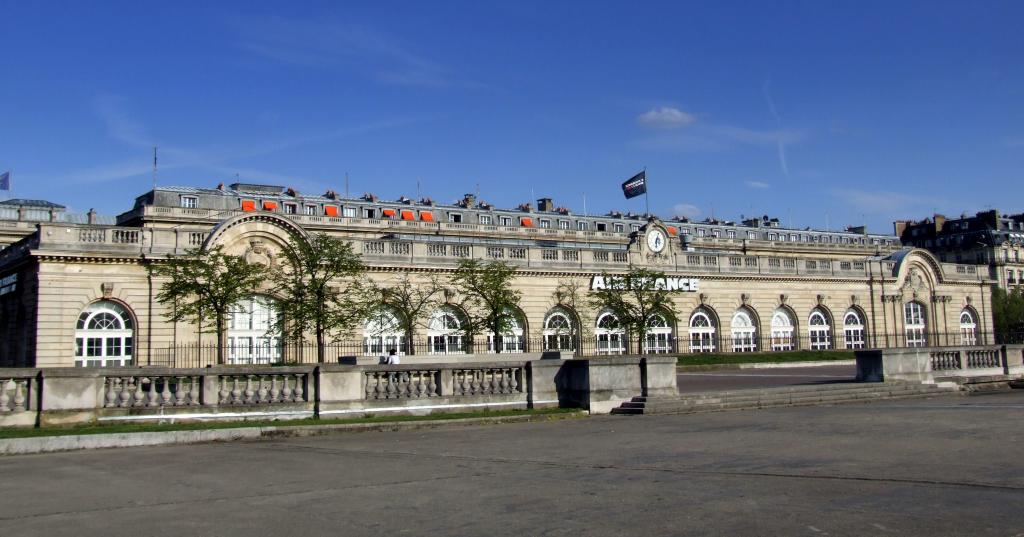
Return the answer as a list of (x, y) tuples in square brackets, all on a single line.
[(828, 394)]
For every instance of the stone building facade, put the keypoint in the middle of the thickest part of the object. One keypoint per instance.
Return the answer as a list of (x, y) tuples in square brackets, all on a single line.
[(79, 293), (988, 238)]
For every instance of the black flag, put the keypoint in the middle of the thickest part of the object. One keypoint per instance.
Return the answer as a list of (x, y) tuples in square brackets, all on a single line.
[(636, 185)]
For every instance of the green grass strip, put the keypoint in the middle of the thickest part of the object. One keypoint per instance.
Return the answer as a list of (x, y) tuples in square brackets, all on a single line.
[(207, 425), (763, 357)]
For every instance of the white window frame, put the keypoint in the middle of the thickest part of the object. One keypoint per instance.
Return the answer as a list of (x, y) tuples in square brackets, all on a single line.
[(853, 329), (968, 328), (743, 332), (915, 324), (703, 332), (819, 331), (782, 330), (189, 202), (609, 337)]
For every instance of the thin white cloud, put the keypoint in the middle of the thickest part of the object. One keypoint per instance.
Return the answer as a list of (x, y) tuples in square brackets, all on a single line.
[(687, 210), (333, 44), (780, 141), (665, 117), (123, 127), (757, 184)]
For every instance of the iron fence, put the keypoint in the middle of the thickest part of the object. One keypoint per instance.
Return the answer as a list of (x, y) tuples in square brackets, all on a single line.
[(270, 353)]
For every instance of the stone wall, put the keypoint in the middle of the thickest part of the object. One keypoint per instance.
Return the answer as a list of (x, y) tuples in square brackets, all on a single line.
[(69, 396)]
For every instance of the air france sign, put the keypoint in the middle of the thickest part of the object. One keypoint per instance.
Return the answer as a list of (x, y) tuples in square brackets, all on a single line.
[(599, 283)]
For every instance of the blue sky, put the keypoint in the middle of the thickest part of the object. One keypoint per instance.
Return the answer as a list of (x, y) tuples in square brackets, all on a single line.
[(814, 112)]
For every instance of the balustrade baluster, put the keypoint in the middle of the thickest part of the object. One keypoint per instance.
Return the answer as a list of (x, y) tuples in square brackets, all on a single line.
[(286, 389), (379, 388), (19, 395), (153, 395), (504, 381), (274, 392), (261, 395), (391, 386), (432, 385), (111, 395), (193, 390), (224, 393), (125, 393), (5, 400), (236, 393), (179, 391), (299, 381), (165, 394), (495, 385), (248, 390), (140, 392), (369, 378), (513, 384)]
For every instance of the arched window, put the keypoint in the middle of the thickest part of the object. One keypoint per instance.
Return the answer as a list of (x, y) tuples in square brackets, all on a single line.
[(853, 329), (444, 332), (968, 328), (251, 336), (558, 332), (702, 332), (744, 332), (383, 332), (512, 339), (610, 335), (659, 335), (819, 330), (782, 330), (104, 336), (915, 324)]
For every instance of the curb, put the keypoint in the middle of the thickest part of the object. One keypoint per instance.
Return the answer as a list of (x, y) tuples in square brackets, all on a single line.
[(51, 444), (762, 365)]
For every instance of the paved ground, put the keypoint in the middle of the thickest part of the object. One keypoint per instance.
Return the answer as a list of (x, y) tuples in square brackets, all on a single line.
[(737, 379), (944, 466)]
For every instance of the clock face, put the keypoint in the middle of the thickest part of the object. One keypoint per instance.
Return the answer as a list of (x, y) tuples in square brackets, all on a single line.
[(656, 241)]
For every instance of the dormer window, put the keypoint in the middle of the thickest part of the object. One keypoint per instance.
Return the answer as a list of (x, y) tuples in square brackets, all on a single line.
[(311, 210), (189, 202), (291, 208)]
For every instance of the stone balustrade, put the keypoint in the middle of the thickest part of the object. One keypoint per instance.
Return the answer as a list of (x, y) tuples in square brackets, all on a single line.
[(933, 364), (66, 396)]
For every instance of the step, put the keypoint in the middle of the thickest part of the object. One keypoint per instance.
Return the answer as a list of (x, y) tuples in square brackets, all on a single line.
[(785, 396)]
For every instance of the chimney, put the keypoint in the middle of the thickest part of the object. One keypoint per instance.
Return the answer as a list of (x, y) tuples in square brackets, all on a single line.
[(468, 200), (899, 227), (940, 221), (92, 216), (545, 205)]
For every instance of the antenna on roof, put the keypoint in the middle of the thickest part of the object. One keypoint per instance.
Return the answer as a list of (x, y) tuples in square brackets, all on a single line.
[(154, 167)]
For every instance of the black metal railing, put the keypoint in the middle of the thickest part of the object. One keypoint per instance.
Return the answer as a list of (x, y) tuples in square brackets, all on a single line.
[(202, 355)]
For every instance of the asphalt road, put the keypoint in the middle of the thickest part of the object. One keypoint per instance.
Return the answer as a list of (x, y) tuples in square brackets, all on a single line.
[(738, 379), (944, 466)]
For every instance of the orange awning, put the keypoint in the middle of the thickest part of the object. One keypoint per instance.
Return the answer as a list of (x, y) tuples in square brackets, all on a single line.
[(331, 210), (427, 216), (269, 205), (673, 231), (526, 222), (407, 215), (248, 205), (388, 213)]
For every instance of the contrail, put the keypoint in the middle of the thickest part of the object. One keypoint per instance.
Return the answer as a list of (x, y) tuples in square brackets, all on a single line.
[(765, 90)]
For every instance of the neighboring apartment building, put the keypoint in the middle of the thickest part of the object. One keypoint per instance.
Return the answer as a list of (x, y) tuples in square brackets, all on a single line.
[(986, 238), (18, 218)]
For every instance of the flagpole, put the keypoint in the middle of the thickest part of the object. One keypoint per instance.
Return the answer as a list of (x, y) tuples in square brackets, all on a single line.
[(647, 197)]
